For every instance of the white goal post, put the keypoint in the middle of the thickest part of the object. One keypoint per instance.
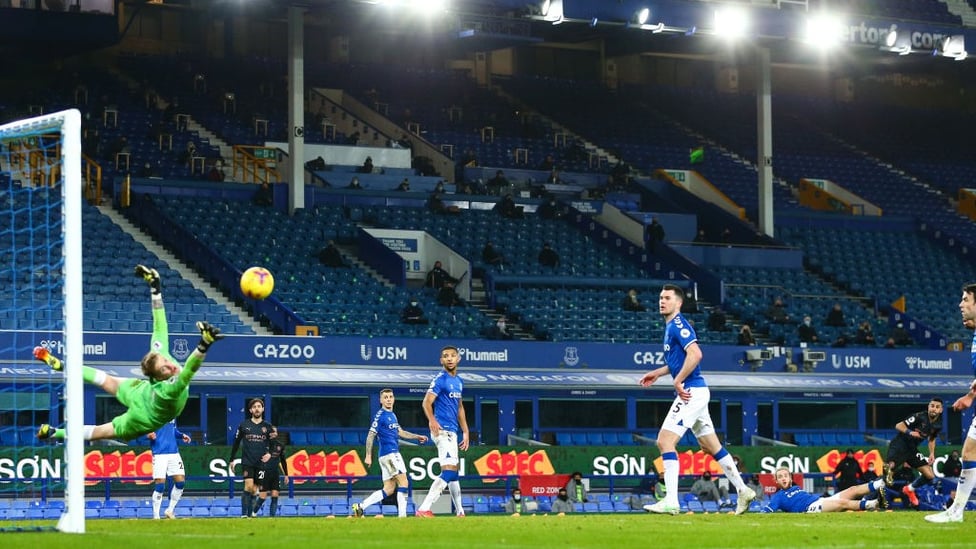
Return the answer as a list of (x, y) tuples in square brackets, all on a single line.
[(64, 177)]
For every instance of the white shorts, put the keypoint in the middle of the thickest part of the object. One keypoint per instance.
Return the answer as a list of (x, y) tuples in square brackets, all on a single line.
[(167, 465), (692, 414), (392, 465), (816, 507), (972, 429), (447, 448)]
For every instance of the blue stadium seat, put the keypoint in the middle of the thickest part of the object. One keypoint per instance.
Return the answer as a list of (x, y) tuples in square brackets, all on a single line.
[(298, 437)]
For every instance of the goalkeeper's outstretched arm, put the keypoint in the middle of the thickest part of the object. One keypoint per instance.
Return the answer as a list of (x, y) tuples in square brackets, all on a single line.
[(208, 335)]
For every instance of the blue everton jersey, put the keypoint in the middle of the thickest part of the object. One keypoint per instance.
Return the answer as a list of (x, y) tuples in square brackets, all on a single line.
[(678, 335), (792, 500), (167, 438), (972, 354), (447, 389), (387, 429)]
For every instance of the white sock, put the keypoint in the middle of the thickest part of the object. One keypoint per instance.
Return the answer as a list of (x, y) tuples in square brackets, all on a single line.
[(966, 480), (732, 473), (436, 488), (455, 488), (878, 484), (401, 504), (157, 501), (87, 433), (174, 498), (375, 497), (671, 482)]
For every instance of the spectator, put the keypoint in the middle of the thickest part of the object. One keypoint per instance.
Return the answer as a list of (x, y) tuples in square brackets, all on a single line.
[(707, 490), (148, 170), (367, 166), (835, 317), (516, 506), (653, 235), (439, 188), (900, 335), (777, 312), (500, 329), (576, 488), (870, 475), (436, 204), (553, 178), (317, 164), (865, 334), (330, 256), (631, 303), (848, 472), (745, 336), (491, 256), (701, 237), (264, 196), (413, 314), (404, 185), (547, 164), (216, 172), (437, 277), (447, 297), (549, 209), (806, 331), (648, 491), (498, 183), (548, 257), (507, 208), (717, 321), (561, 505), (354, 183)]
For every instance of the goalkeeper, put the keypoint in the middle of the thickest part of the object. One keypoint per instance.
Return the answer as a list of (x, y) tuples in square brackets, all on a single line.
[(151, 402)]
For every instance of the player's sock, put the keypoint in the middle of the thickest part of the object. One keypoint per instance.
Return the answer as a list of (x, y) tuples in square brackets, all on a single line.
[(401, 502), (373, 498), (455, 488), (967, 478), (175, 494), (671, 477), (876, 485), (724, 458), (246, 503), (920, 481), (274, 506), (93, 375), (436, 488), (157, 499), (258, 503)]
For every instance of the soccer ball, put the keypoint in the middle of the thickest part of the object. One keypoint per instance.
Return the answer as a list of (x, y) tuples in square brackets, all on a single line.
[(257, 283)]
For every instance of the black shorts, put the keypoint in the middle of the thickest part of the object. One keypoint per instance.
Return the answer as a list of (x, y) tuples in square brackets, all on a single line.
[(899, 452), (250, 471), (269, 480)]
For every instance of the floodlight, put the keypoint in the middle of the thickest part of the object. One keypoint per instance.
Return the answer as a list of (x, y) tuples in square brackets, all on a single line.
[(899, 41), (641, 16), (552, 11), (731, 22), (824, 30), (953, 46)]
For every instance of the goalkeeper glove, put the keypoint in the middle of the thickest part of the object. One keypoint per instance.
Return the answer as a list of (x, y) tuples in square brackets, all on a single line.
[(208, 334)]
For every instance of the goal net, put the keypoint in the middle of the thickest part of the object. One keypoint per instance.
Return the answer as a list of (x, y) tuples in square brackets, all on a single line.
[(41, 483)]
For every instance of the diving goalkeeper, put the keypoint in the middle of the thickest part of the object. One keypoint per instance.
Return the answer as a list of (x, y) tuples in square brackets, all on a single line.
[(151, 402)]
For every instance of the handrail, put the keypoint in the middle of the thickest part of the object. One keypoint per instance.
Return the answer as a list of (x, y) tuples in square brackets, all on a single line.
[(256, 168)]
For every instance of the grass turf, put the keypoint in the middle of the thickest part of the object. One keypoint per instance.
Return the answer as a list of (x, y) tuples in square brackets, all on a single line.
[(837, 530)]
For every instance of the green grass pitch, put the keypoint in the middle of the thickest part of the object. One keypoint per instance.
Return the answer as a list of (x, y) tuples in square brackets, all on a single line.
[(840, 530)]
